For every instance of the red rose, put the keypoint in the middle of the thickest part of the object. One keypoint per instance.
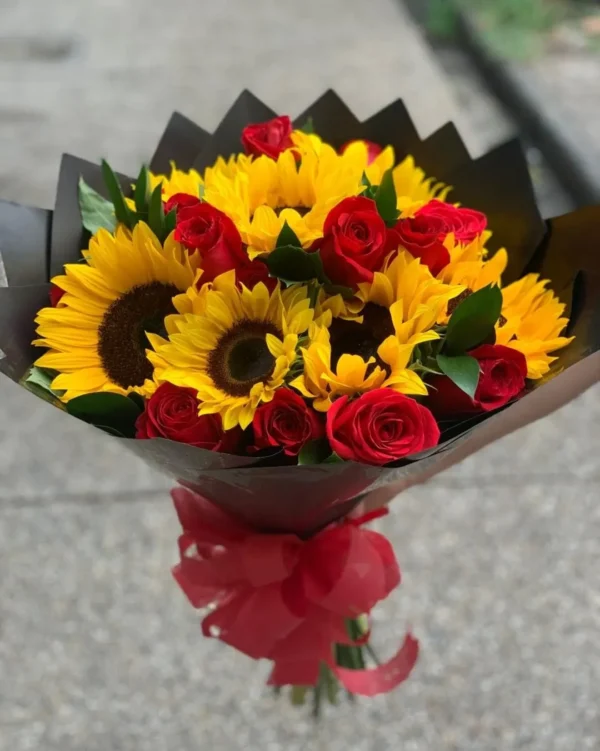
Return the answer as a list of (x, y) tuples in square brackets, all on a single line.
[(287, 422), (423, 235), (56, 294), (379, 427), (269, 138), (355, 242), (373, 149), (212, 232), (251, 272), (182, 203), (502, 377), (466, 224), (172, 412)]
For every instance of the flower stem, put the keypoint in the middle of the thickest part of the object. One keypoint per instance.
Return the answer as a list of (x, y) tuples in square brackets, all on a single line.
[(313, 292), (298, 695), (372, 654)]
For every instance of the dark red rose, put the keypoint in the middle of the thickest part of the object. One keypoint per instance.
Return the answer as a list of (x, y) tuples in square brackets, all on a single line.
[(355, 242), (502, 377), (56, 294), (172, 412), (212, 232), (379, 427), (269, 138), (423, 235), (287, 422), (373, 149), (182, 203), (251, 272), (466, 224)]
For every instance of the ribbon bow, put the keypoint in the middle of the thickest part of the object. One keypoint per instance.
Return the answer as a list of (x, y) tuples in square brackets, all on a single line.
[(277, 597)]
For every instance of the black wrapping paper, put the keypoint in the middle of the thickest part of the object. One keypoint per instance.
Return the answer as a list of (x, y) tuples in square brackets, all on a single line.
[(18, 309), (304, 498), (24, 243), (68, 236), (226, 138), (331, 119), (181, 143)]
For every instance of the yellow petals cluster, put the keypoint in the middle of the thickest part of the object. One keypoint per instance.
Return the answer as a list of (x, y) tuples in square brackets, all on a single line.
[(302, 186)]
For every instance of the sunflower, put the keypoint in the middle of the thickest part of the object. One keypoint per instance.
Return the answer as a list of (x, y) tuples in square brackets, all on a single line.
[(324, 378), (411, 183), (302, 186), (228, 167), (532, 322), (394, 313), (233, 346), (471, 268), (178, 181), (264, 194), (97, 336), (414, 189)]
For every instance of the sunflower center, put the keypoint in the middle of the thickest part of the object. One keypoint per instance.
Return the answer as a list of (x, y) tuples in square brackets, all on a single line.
[(241, 357), (122, 340), (456, 301), (349, 337)]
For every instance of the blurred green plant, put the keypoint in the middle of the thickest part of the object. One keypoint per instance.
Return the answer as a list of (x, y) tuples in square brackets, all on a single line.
[(441, 18), (514, 29)]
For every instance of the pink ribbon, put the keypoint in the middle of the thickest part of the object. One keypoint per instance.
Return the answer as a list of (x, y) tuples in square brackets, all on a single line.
[(277, 597)]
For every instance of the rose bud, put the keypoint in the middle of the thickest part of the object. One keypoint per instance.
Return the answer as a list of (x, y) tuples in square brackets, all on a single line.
[(182, 202), (55, 295), (355, 242), (287, 422), (423, 235), (270, 138), (502, 377), (251, 272), (379, 427), (172, 412), (212, 232)]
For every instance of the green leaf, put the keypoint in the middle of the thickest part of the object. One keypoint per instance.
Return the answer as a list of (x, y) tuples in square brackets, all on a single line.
[(386, 199), (156, 213), (39, 382), (141, 194), (170, 222), (287, 236), (337, 289), (370, 190), (105, 410), (320, 271), (462, 370), (41, 377), (122, 211), (333, 459), (294, 265), (138, 400), (473, 320), (96, 212), (314, 452), (308, 127)]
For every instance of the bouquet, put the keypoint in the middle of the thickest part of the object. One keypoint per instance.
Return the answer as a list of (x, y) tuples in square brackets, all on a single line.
[(292, 318)]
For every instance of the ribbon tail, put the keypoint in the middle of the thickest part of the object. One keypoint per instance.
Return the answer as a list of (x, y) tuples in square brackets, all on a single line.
[(383, 678)]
